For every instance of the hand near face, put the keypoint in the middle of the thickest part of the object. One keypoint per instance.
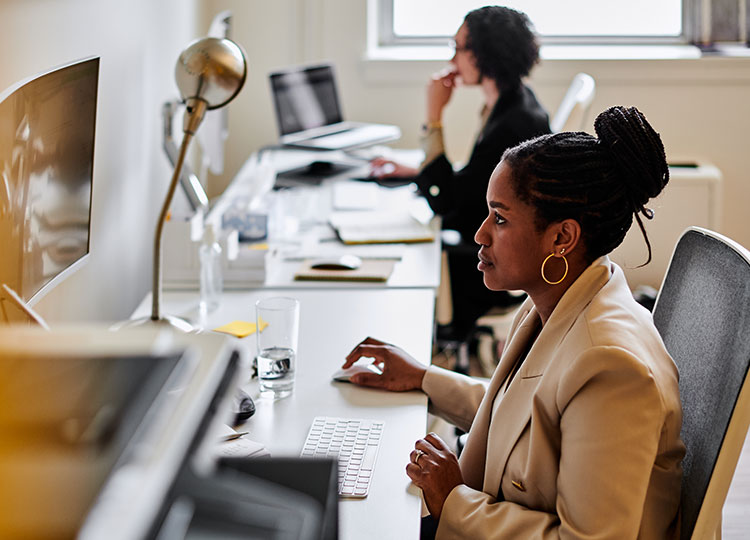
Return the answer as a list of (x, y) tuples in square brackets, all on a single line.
[(439, 92), (434, 468), (400, 372)]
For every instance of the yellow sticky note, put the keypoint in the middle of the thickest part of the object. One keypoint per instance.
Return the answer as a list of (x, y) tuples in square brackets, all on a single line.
[(263, 324), (239, 329)]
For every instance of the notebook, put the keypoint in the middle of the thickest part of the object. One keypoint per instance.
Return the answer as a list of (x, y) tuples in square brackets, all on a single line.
[(374, 227), (309, 115), (374, 270)]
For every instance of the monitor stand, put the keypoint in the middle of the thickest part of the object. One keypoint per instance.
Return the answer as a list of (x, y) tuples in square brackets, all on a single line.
[(14, 309)]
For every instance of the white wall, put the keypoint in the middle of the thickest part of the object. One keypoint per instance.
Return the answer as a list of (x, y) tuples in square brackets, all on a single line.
[(138, 42), (701, 107)]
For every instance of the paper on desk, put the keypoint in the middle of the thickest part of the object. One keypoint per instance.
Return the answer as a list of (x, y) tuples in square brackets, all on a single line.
[(240, 329), (393, 252), (369, 227), (241, 447), (354, 195)]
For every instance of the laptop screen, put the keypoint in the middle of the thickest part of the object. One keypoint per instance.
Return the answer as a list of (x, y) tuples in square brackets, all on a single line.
[(305, 98)]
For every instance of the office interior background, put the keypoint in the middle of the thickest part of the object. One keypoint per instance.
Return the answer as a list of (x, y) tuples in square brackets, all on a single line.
[(700, 105)]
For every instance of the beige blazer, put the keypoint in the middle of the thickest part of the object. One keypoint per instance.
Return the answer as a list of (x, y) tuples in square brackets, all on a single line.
[(584, 443)]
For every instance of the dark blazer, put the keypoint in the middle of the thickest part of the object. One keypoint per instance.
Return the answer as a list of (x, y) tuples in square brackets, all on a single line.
[(461, 201)]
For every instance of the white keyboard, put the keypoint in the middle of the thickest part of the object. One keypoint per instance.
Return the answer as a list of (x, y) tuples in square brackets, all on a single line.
[(354, 443)]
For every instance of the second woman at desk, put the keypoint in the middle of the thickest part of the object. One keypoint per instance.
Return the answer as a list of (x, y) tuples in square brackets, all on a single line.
[(495, 48), (577, 433)]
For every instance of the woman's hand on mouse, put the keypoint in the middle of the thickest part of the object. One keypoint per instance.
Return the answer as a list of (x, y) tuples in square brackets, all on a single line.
[(401, 372)]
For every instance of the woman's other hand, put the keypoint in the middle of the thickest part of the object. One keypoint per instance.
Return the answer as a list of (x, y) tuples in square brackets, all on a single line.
[(439, 91), (433, 467), (400, 372), (381, 167)]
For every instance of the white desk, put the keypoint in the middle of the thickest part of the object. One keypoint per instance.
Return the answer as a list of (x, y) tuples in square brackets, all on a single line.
[(308, 208), (331, 323), (298, 228)]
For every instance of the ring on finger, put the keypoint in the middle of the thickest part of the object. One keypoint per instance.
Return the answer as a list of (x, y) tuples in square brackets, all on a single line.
[(419, 455)]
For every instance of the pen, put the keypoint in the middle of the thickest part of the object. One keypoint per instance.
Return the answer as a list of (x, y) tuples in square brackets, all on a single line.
[(234, 436)]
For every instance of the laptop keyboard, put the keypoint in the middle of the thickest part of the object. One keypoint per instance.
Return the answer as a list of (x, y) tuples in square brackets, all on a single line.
[(351, 137), (354, 443)]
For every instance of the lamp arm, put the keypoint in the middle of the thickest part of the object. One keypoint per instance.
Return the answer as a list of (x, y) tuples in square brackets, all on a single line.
[(194, 191), (156, 281)]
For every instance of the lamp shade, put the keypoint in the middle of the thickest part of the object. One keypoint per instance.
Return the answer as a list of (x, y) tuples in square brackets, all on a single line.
[(212, 70)]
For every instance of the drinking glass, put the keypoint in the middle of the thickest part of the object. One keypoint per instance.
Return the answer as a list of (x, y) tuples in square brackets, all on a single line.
[(277, 320)]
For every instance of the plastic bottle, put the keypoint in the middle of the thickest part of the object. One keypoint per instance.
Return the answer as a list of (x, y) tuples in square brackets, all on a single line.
[(211, 281)]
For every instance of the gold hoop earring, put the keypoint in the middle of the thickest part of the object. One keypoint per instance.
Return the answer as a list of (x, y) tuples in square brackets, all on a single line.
[(566, 268)]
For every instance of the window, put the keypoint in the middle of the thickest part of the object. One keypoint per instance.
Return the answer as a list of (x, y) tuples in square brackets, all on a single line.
[(425, 22)]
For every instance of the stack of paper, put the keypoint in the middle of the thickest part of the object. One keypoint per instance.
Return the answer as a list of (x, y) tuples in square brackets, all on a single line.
[(352, 195), (248, 267)]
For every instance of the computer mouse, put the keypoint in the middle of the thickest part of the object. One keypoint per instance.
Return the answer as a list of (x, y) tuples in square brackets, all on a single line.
[(344, 375), (320, 167), (344, 262), (244, 407)]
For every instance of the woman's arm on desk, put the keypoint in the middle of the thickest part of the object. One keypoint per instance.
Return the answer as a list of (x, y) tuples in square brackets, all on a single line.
[(381, 167)]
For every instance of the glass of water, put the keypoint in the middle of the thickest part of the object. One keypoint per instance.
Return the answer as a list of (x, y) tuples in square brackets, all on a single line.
[(277, 319)]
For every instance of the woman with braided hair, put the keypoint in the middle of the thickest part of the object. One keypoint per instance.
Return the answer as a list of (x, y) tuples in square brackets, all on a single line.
[(577, 433)]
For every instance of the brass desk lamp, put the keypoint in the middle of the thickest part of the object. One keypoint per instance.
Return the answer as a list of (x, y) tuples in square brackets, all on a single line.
[(210, 72)]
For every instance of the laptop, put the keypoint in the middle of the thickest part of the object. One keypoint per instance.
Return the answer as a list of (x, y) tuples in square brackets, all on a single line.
[(309, 115)]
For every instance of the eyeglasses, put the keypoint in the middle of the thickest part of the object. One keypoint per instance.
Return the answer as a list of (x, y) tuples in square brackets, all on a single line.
[(456, 47)]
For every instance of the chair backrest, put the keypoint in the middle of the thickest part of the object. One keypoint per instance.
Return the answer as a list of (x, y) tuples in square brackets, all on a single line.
[(574, 107), (703, 315)]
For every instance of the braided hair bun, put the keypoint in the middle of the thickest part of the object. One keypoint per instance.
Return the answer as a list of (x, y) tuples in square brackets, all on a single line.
[(637, 151), (600, 182)]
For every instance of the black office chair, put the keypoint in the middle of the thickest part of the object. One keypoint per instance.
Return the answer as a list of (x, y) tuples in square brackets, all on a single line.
[(703, 314), (462, 300)]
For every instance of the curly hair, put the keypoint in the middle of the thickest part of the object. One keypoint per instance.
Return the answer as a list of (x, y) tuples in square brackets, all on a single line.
[(602, 182), (504, 44)]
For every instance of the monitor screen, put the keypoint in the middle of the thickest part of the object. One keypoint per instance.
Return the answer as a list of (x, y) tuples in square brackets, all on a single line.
[(47, 126), (67, 423), (305, 98)]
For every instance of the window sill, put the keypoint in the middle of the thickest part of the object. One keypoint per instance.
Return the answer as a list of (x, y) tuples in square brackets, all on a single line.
[(670, 63), (399, 53), (619, 52)]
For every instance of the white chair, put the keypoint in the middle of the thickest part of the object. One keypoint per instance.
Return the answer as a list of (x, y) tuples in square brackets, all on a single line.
[(703, 315), (574, 108)]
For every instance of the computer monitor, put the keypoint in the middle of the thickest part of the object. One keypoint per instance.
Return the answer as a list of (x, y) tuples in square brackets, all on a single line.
[(47, 127)]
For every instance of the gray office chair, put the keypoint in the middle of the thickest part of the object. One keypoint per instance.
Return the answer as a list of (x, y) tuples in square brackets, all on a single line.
[(703, 314)]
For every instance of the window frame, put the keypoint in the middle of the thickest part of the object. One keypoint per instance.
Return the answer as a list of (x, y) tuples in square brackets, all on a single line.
[(690, 32)]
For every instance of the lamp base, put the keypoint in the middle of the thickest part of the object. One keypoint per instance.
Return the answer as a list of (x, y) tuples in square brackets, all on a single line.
[(170, 321)]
